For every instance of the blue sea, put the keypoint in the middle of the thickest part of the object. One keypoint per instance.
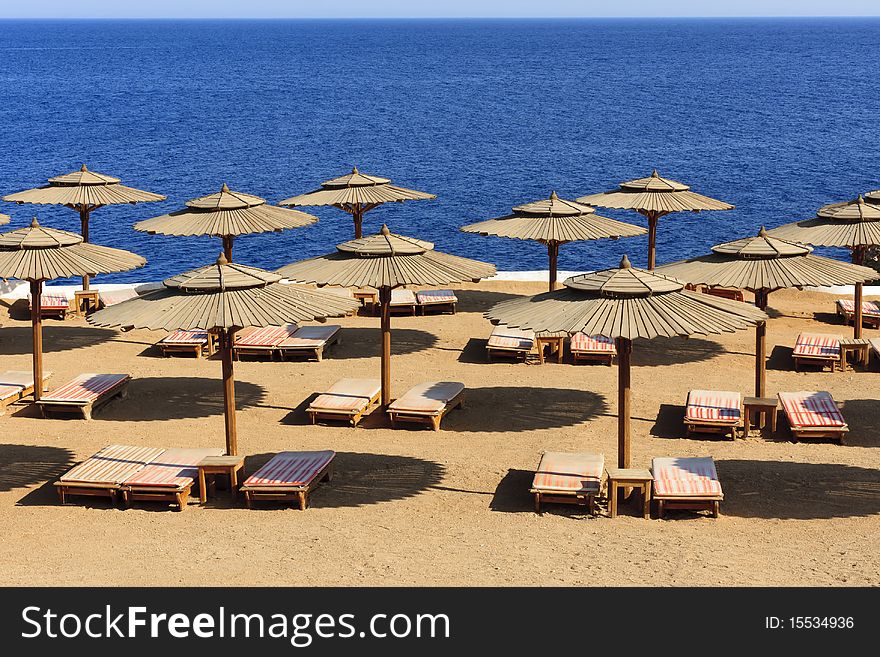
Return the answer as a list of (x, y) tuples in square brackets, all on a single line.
[(776, 116)]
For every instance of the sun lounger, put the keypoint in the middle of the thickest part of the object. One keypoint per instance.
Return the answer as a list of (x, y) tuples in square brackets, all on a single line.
[(186, 342), (103, 473), (568, 478), (84, 394), (112, 297), (724, 293), (52, 305), (167, 478), (403, 301), (507, 341), (343, 292), (592, 347), (263, 341), (846, 308), (347, 399), (686, 483), (427, 403), (439, 299), (813, 414), (713, 411), (816, 348), (875, 347), (15, 385), (310, 340), (289, 476)]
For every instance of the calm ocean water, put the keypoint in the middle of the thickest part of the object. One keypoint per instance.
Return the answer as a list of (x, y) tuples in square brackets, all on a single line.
[(776, 116)]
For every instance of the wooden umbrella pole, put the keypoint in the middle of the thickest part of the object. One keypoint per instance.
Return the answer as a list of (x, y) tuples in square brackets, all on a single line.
[(553, 253), (761, 347), (857, 319), (385, 305), (358, 215), (227, 246), (624, 399), (37, 331), (652, 240), (226, 340), (84, 231)]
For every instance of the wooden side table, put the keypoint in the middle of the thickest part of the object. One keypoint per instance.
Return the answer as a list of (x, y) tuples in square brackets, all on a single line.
[(85, 299), (755, 406), (556, 342), (219, 465), (629, 478), (860, 346), (367, 298)]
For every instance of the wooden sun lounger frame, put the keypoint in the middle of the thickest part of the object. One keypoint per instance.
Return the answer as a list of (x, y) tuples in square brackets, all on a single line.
[(850, 317), (353, 416), (404, 307), (514, 352), (318, 350), (798, 432), (427, 417), (713, 426), (438, 305), (581, 498), (21, 394), (198, 348), (578, 355), (50, 407), (95, 489), (284, 492), (710, 503), (60, 313), (175, 494), (831, 360)]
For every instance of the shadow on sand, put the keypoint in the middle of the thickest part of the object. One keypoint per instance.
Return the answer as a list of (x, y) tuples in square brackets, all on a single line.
[(26, 465), (17, 340), (366, 342), (674, 351)]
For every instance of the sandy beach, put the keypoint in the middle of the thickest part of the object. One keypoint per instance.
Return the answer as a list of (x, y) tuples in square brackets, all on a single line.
[(415, 507)]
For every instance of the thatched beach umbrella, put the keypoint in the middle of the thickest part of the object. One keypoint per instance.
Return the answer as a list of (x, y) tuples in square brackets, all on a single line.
[(552, 222), (36, 254), (5, 219), (386, 261), (654, 197), (762, 264), (83, 191), (854, 225), (226, 215), (626, 304), (356, 193), (223, 298)]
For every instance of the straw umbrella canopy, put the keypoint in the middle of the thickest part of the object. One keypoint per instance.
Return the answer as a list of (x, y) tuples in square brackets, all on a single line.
[(654, 197), (626, 304), (83, 191), (761, 265), (854, 225), (386, 261), (357, 193), (223, 298), (5, 219), (552, 222), (226, 214), (36, 254)]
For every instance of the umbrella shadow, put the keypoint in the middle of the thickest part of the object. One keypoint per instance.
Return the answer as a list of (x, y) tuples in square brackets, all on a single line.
[(17, 340), (176, 398), (512, 496), (863, 418), (829, 318), (361, 479), (26, 465), (366, 342), (479, 301), (781, 359), (674, 351), (801, 491), (669, 422)]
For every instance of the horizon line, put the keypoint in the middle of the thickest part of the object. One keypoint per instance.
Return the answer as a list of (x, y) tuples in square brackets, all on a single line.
[(435, 18)]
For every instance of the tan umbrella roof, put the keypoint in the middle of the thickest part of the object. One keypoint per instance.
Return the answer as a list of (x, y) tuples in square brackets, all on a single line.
[(768, 263), (226, 213), (386, 260), (38, 253), (626, 303), (356, 188), (83, 188), (5, 219), (873, 197), (654, 194), (851, 225), (554, 219), (223, 295)]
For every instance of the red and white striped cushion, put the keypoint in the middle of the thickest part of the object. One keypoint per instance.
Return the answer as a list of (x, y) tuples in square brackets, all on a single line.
[(86, 388), (111, 465), (685, 477), (185, 337), (817, 345), (569, 472), (347, 395), (291, 469), (869, 308), (173, 468), (714, 406), (505, 337), (52, 302), (811, 409), (403, 298), (268, 336), (581, 342), (428, 297)]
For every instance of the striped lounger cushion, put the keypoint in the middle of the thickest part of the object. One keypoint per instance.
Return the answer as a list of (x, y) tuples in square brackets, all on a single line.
[(505, 337), (53, 302), (713, 406), (869, 308), (268, 336), (428, 297), (817, 345), (290, 469), (86, 388), (7, 391), (403, 298), (427, 398), (185, 337), (811, 409), (569, 472), (347, 395), (310, 337), (112, 297), (598, 344), (686, 477), (111, 465), (173, 468)]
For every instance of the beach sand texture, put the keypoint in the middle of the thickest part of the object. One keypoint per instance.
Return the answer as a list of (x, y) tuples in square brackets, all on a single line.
[(415, 507)]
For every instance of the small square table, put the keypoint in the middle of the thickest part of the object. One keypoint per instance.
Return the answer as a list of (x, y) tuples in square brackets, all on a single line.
[(85, 299), (556, 342), (222, 465), (367, 298), (764, 406), (859, 346), (629, 478)]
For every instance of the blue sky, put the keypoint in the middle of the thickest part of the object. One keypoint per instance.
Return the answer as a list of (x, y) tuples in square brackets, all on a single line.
[(414, 9)]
